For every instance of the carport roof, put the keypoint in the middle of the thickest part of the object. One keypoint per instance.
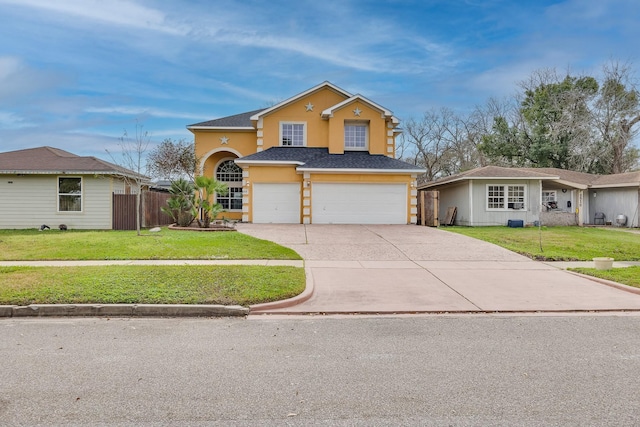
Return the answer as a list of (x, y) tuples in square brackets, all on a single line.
[(319, 159)]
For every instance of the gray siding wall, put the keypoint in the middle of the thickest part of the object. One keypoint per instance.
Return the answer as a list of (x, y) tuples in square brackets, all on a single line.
[(614, 201), (530, 213), (455, 195), (30, 201)]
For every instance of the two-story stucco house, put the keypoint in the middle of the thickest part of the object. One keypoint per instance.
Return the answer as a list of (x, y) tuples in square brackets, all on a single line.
[(323, 156)]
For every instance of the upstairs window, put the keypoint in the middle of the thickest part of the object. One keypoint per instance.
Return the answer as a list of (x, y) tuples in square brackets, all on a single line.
[(503, 197), (293, 134), (356, 136), (69, 194)]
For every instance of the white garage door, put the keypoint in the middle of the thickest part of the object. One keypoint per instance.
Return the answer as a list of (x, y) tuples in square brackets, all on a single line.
[(276, 203), (359, 204)]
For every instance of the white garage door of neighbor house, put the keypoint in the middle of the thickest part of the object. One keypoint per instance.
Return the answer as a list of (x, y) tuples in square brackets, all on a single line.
[(359, 204), (276, 203)]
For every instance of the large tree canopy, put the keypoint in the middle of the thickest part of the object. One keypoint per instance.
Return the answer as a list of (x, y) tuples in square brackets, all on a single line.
[(580, 123)]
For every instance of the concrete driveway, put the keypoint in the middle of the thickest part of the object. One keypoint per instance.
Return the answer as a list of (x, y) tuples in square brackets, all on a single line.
[(411, 269)]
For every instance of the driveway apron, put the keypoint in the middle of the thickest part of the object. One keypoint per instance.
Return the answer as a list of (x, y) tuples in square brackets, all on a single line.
[(412, 269)]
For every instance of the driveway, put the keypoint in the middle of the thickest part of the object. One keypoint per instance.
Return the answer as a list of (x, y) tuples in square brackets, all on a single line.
[(411, 269)]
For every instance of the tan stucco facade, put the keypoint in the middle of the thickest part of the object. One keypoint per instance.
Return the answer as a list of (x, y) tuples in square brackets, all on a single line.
[(323, 111)]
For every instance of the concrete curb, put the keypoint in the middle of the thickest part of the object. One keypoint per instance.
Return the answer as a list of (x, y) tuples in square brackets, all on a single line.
[(123, 310), (616, 285), (298, 299)]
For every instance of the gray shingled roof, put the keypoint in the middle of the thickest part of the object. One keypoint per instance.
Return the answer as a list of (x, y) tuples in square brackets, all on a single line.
[(49, 160), (586, 179), (491, 172), (319, 158), (235, 121), (359, 160)]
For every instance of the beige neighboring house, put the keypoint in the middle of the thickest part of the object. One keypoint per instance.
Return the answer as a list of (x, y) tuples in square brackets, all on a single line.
[(493, 195), (50, 186)]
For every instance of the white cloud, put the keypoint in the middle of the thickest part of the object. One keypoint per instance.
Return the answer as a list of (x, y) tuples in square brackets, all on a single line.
[(143, 111), (116, 12), (9, 120)]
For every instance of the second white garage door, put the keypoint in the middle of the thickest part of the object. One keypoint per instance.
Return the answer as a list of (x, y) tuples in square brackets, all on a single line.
[(359, 203), (276, 203)]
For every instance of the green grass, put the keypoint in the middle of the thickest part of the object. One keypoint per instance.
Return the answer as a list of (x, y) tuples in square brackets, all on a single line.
[(30, 245), (560, 243), (243, 285), (626, 275)]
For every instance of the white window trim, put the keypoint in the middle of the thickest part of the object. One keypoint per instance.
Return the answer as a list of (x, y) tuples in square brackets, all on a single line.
[(555, 195), (360, 123), (238, 184), (304, 134), (505, 205), (58, 194)]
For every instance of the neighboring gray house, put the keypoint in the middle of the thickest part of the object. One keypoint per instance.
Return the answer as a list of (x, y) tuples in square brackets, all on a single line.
[(50, 186), (493, 195)]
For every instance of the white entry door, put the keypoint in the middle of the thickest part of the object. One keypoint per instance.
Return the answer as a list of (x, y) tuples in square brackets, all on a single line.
[(276, 203), (359, 203)]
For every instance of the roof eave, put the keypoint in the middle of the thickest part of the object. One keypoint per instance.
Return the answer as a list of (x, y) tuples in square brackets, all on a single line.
[(227, 128), (619, 185), (361, 170), (268, 162)]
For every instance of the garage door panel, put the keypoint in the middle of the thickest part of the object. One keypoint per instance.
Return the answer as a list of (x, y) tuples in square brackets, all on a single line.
[(276, 203), (359, 203)]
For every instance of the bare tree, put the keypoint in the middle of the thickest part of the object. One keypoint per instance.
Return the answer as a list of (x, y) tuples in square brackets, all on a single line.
[(131, 156), (430, 140), (173, 160), (618, 113)]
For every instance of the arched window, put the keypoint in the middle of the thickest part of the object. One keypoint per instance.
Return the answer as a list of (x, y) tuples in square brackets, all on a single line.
[(231, 174)]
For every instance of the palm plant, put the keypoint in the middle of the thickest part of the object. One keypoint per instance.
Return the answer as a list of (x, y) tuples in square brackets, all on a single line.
[(181, 204), (205, 205)]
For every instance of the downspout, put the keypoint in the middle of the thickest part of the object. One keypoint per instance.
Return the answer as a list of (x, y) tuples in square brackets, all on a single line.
[(470, 203)]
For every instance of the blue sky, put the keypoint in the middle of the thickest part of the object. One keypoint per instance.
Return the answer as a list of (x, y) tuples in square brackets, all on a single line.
[(75, 74)]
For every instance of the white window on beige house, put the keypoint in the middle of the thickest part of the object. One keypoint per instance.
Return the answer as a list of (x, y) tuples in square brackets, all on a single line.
[(69, 194), (356, 135), (504, 197), (293, 134), (230, 174)]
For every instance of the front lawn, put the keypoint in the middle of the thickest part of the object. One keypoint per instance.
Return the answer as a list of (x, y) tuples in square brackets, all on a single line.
[(560, 243), (27, 245), (626, 275), (243, 285)]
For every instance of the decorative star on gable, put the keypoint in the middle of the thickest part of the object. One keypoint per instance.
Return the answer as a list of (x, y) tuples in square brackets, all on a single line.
[(357, 111), (224, 140), (309, 106)]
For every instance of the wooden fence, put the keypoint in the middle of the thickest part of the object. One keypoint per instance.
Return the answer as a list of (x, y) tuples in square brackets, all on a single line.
[(428, 206), (151, 215)]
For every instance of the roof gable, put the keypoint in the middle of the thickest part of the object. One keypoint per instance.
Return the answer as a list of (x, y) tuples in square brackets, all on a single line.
[(385, 113), (321, 86)]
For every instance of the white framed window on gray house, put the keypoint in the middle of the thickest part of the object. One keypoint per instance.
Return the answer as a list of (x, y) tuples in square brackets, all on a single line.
[(356, 135), (293, 134), (549, 196), (69, 194), (505, 197), (230, 174)]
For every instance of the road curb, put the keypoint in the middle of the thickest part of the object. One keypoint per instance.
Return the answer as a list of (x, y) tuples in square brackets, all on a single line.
[(613, 284), (298, 299), (123, 310)]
